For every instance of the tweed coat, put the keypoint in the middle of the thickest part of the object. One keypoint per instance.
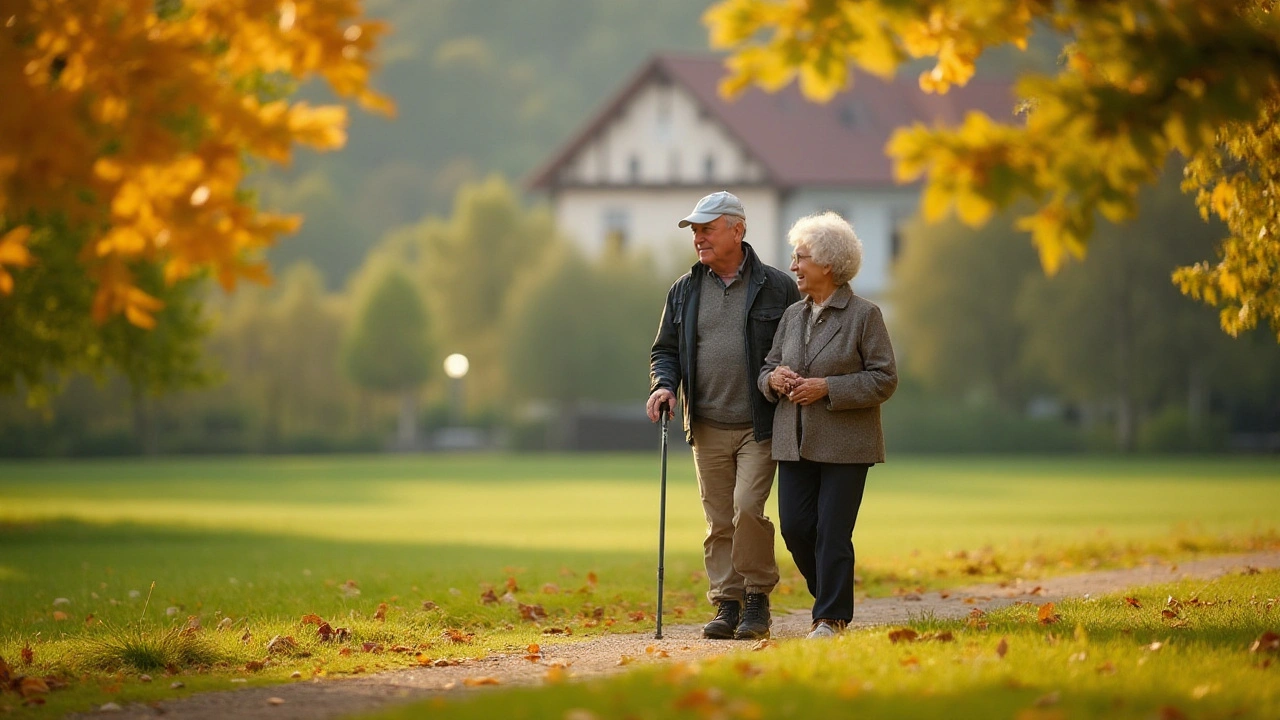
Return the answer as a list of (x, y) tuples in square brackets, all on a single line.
[(849, 346)]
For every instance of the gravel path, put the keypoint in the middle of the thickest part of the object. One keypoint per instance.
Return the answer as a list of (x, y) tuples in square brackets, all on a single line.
[(339, 697)]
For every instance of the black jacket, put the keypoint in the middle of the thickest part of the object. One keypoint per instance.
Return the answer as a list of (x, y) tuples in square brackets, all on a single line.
[(672, 360)]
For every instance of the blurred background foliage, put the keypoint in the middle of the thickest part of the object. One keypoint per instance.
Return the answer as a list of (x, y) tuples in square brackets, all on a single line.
[(418, 243)]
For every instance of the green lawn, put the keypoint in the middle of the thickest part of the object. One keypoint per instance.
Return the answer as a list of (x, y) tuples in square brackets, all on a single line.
[(1117, 656), (263, 541)]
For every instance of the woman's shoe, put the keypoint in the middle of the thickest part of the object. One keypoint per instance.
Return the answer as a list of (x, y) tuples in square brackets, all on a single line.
[(823, 629)]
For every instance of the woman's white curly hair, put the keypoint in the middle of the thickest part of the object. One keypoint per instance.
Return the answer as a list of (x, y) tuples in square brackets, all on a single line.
[(832, 241)]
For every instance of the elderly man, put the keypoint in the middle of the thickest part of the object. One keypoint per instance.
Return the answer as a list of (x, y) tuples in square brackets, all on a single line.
[(716, 329)]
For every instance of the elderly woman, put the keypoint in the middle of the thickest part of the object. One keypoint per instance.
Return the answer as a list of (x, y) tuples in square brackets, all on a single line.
[(830, 368)]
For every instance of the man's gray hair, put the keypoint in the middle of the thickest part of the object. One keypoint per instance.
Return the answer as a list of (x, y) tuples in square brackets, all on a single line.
[(732, 221), (832, 241)]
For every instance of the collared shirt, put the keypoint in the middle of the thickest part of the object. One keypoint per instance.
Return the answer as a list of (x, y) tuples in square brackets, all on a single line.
[(815, 312), (724, 284)]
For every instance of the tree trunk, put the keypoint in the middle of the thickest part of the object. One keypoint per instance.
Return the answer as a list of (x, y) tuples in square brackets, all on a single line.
[(1126, 405), (144, 423), (1197, 399), (407, 427)]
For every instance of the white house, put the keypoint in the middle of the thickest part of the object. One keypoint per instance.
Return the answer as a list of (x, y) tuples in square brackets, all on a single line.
[(667, 138)]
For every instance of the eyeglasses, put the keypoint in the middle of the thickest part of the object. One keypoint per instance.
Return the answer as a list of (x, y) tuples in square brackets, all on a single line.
[(797, 257)]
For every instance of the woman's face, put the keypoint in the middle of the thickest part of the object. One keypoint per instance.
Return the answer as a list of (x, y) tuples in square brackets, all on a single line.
[(811, 278)]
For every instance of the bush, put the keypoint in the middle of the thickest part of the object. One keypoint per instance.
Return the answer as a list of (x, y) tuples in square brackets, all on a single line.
[(927, 424), (1171, 431)]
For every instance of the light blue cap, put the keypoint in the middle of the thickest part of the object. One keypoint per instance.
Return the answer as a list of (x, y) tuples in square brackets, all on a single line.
[(713, 206)]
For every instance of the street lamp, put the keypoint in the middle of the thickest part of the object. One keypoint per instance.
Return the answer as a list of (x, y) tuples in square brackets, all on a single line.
[(456, 367)]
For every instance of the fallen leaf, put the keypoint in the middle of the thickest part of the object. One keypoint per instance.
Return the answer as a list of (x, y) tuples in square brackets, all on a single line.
[(557, 631), (746, 669), (428, 605), (1133, 602), (312, 619), (422, 659), (511, 585), (625, 660), (401, 649), (483, 680), (344, 652), (489, 597), (592, 579), (30, 685), (700, 698), (764, 644), (1266, 642), (371, 647), (28, 655), (275, 701), (532, 612), (1046, 615), (59, 615), (1003, 647), (550, 589), (556, 674), (1106, 668), (224, 624), (254, 665), (637, 616), (1169, 712), (381, 612), (282, 643), (457, 636), (911, 661), (903, 635)]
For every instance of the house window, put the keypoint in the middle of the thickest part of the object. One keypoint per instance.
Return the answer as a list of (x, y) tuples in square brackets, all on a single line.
[(662, 123), (898, 219), (617, 229), (633, 168), (709, 168)]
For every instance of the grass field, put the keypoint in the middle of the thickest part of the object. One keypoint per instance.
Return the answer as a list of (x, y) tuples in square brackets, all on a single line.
[(258, 543), (1114, 657)]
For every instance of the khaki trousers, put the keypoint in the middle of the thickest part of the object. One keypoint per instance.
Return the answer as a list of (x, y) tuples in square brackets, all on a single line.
[(735, 476)]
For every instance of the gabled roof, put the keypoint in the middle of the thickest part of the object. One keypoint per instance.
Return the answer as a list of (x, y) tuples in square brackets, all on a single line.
[(797, 141)]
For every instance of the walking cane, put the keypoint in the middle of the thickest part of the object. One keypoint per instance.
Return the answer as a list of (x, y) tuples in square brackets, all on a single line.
[(662, 516)]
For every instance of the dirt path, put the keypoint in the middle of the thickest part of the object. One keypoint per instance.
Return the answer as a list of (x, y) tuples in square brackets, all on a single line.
[(338, 697)]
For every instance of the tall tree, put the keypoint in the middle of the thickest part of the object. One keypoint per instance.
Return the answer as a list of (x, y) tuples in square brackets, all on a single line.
[(1113, 334), (954, 295), (126, 134), (389, 348), (471, 263), (581, 330), (1141, 79)]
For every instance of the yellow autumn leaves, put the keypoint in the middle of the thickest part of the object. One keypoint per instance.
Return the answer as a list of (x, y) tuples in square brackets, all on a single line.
[(1089, 137), (133, 122)]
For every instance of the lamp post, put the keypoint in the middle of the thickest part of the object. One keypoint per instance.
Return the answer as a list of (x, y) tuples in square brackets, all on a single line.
[(456, 367)]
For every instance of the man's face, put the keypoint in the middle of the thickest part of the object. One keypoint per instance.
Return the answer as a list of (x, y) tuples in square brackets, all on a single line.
[(717, 242)]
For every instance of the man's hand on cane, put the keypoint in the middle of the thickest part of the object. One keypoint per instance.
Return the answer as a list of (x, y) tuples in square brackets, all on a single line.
[(661, 398)]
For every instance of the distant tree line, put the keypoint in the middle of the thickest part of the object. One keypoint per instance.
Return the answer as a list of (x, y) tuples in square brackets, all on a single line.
[(297, 368)]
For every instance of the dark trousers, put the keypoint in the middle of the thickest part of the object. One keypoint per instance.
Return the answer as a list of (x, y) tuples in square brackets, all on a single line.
[(817, 508)]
